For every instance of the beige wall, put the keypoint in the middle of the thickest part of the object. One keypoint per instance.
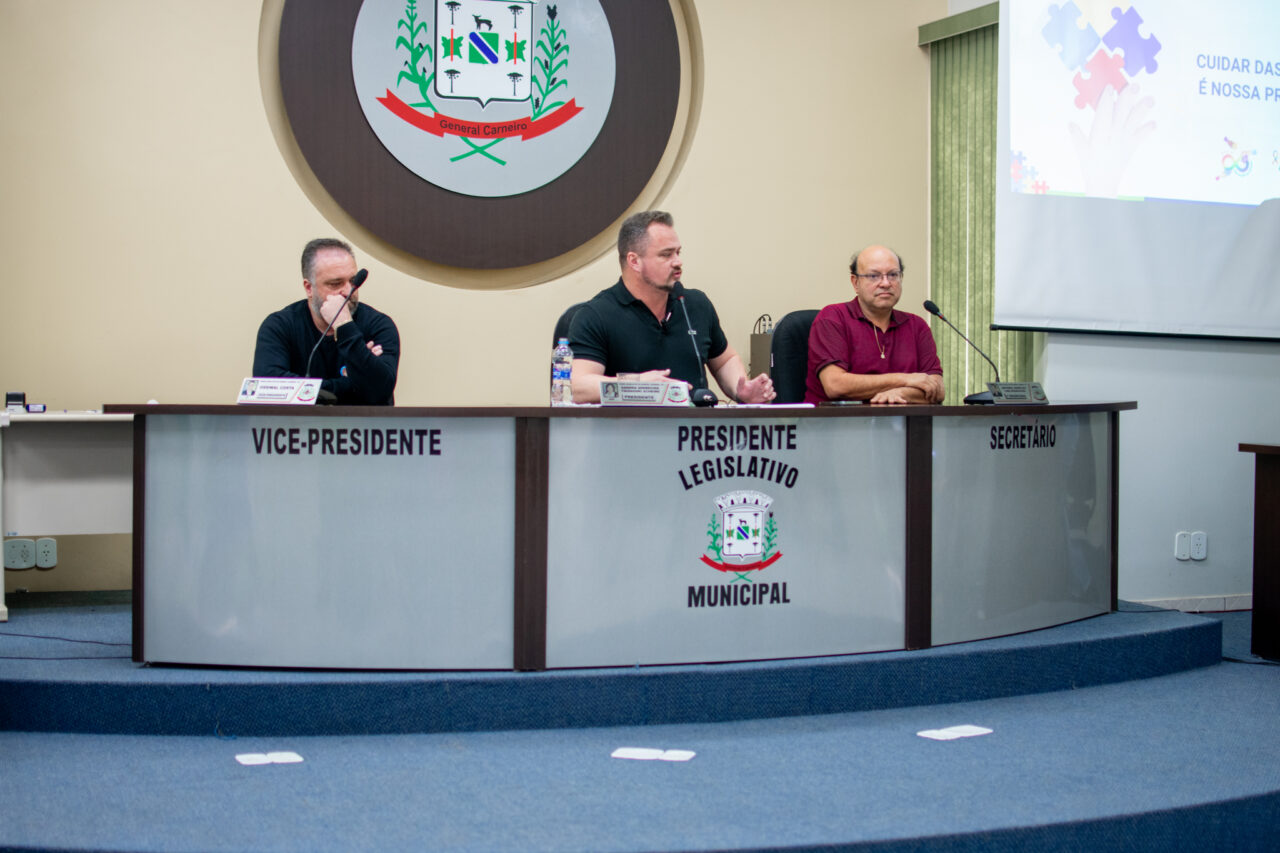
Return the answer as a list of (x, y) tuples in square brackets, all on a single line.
[(150, 219)]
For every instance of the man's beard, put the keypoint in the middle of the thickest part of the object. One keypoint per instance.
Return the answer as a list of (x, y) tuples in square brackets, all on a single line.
[(666, 286)]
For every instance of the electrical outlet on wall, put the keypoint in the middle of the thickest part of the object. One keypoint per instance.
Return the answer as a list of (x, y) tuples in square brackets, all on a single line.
[(1182, 545), (1199, 545), (19, 554), (46, 553)]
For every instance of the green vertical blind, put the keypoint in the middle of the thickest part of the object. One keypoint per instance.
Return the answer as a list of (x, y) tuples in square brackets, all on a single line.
[(962, 188)]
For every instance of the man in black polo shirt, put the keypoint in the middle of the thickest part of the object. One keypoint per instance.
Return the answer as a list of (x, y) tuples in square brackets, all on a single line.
[(638, 325)]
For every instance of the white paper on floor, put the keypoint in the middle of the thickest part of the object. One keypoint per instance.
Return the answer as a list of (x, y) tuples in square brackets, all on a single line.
[(953, 732), (640, 753), (253, 758)]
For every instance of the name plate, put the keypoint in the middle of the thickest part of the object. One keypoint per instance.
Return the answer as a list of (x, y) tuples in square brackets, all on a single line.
[(631, 392), (1019, 393), (279, 391)]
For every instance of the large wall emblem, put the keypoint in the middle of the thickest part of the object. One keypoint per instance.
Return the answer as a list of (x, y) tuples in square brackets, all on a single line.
[(483, 134), (484, 97)]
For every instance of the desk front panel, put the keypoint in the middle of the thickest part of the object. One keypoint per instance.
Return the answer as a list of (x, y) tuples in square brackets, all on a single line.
[(1021, 523), (675, 541), (329, 542)]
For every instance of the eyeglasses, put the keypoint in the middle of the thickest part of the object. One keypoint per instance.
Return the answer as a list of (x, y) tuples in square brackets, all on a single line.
[(876, 277)]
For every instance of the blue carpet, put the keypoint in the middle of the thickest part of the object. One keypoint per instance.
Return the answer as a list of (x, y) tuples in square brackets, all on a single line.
[(1180, 762), (1124, 732), (1237, 635), (70, 685)]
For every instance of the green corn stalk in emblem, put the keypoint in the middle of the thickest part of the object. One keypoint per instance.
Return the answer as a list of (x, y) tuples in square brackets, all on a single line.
[(418, 44), (713, 531), (553, 44), (770, 537)]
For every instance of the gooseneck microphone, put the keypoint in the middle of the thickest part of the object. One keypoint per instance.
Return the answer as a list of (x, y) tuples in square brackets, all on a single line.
[(701, 396), (356, 281), (982, 397)]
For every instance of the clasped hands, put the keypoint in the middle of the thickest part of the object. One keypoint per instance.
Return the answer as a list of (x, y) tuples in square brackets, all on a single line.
[(920, 388)]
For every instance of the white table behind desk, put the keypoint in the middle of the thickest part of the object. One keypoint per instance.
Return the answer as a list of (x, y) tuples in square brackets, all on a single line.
[(65, 473)]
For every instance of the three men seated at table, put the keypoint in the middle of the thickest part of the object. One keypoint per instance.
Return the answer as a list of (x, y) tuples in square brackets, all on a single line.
[(647, 325), (864, 349)]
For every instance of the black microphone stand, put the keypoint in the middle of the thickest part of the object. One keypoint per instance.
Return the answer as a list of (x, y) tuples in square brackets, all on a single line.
[(981, 398), (701, 396)]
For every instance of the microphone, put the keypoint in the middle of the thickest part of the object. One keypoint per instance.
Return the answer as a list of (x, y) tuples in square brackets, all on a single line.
[(701, 396), (356, 281), (982, 397)]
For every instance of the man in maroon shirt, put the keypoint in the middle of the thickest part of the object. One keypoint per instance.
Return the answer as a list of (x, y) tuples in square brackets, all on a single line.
[(865, 350)]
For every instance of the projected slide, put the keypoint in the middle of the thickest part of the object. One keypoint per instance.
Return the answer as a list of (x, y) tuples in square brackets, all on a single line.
[(1163, 99), (1138, 166)]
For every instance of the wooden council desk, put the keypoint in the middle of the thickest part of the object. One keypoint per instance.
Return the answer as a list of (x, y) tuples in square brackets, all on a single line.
[(532, 538)]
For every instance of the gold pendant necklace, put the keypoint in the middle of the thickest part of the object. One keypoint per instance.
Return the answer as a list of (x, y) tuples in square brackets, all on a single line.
[(879, 345)]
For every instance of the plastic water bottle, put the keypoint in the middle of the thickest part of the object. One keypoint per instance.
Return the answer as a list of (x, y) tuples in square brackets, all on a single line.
[(561, 366)]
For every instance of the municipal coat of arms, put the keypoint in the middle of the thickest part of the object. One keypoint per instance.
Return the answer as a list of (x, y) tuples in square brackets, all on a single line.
[(484, 97), (742, 534), (482, 60)]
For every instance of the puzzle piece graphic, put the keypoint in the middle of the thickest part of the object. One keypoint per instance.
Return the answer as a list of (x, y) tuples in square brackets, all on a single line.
[(1139, 53), (1104, 70), (1025, 176), (1061, 31)]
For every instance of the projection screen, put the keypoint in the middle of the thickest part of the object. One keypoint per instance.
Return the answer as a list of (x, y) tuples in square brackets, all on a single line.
[(1139, 164)]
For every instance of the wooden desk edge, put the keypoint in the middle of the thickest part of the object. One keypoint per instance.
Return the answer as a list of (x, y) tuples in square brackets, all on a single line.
[(724, 412), (1264, 449)]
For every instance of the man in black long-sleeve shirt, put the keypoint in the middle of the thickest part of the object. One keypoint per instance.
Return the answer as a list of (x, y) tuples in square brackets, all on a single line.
[(360, 356)]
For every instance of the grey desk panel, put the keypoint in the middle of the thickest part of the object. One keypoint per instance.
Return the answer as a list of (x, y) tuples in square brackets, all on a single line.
[(314, 559), (637, 511), (1021, 523)]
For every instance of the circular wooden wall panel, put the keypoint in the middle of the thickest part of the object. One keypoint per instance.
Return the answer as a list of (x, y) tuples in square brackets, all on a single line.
[(447, 228)]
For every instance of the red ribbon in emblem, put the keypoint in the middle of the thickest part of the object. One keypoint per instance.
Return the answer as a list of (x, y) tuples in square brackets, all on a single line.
[(439, 124), (745, 567)]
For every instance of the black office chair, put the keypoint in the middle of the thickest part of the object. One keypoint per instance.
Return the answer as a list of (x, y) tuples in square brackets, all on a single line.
[(789, 355), (562, 325)]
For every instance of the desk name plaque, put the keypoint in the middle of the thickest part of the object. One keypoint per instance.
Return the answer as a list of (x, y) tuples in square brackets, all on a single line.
[(634, 392), (278, 390), (1017, 393)]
